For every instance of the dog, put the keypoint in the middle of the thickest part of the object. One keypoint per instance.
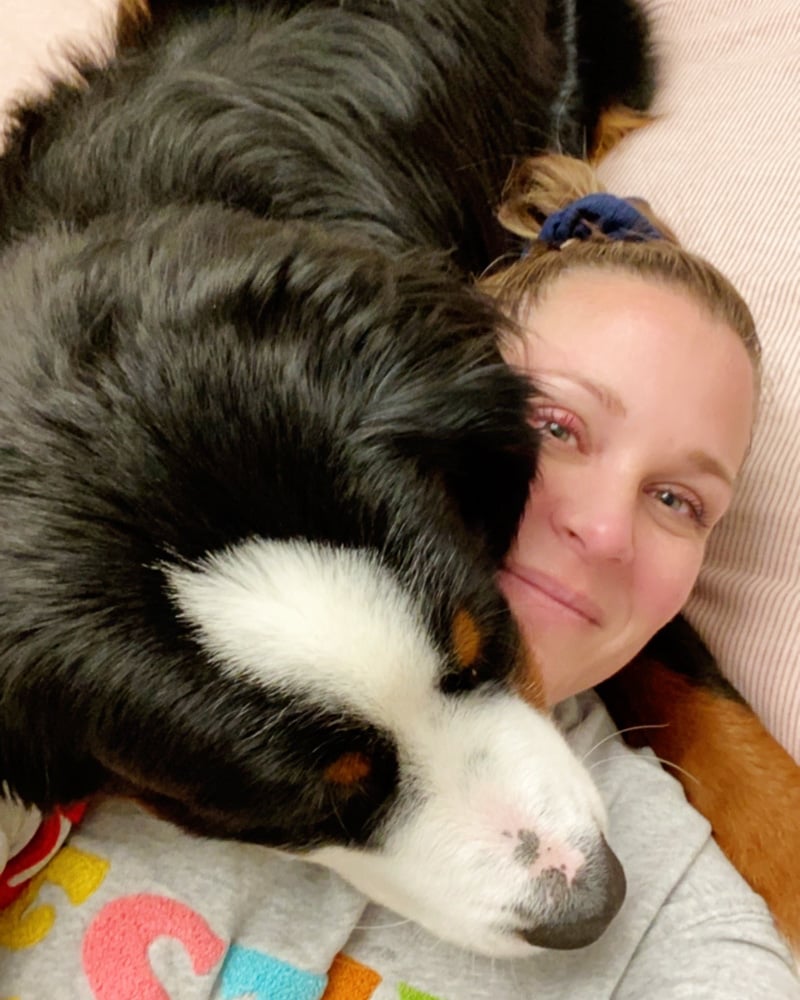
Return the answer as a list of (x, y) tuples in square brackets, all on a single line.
[(260, 454), (673, 697)]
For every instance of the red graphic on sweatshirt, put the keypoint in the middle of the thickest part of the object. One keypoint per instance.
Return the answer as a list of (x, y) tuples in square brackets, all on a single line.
[(44, 845)]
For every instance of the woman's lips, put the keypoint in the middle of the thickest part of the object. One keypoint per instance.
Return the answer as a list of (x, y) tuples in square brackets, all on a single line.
[(555, 592)]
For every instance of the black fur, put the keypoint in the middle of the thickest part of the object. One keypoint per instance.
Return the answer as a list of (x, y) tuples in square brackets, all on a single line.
[(161, 407), (234, 303), (678, 647)]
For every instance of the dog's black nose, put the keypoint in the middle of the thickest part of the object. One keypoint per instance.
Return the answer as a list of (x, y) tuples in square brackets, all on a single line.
[(580, 912)]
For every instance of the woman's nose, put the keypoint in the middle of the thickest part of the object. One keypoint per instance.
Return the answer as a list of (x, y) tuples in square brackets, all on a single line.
[(600, 521)]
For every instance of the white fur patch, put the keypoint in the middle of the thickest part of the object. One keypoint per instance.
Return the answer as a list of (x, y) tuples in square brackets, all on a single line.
[(302, 617)]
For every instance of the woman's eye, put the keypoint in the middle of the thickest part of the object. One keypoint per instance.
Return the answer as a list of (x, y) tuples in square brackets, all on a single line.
[(681, 505), (556, 424), (556, 430)]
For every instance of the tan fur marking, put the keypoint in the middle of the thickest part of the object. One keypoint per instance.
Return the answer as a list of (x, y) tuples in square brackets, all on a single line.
[(466, 638), (348, 769), (747, 785), (528, 681), (132, 17), (615, 123)]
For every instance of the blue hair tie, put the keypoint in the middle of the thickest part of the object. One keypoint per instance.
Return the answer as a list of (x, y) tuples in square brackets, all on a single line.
[(616, 217)]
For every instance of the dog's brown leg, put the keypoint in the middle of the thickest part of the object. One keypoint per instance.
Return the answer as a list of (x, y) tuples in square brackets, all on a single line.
[(742, 780)]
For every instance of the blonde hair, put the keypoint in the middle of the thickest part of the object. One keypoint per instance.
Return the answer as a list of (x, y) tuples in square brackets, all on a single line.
[(543, 185)]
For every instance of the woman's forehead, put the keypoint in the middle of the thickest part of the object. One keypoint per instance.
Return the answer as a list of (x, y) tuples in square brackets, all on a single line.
[(591, 313)]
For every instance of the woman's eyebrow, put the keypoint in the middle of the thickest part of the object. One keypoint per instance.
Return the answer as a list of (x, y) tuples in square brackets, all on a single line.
[(701, 460), (606, 396), (704, 462)]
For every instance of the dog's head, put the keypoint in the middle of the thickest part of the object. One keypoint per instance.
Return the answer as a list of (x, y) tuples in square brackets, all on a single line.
[(253, 489)]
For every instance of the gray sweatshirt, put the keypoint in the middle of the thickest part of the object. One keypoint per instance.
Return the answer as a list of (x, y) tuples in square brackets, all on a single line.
[(133, 909)]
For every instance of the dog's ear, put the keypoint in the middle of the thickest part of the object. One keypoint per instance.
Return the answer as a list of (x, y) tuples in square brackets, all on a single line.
[(456, 410), (473, 436), (413, 349)]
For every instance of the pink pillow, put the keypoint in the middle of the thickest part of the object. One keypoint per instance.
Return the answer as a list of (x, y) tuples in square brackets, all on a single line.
[(36, 34), (721, 164)]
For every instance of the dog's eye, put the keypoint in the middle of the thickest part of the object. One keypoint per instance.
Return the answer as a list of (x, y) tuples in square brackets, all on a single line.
[(359, 786), (465, 679)]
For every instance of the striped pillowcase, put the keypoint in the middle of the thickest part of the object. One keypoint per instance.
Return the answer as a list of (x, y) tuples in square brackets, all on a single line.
[(721, 164)]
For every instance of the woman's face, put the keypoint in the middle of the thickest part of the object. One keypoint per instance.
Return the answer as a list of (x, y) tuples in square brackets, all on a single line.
[(646, 410)]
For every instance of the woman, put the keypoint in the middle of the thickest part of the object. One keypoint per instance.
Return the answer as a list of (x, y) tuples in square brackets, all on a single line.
[(644, 437), (647, 365), (620, 333)]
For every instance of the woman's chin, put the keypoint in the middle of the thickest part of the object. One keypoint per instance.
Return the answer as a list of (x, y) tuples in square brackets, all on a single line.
[(573, 654)]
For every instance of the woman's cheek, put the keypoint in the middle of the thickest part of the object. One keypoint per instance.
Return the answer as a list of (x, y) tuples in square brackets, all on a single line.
[(670, 581)]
